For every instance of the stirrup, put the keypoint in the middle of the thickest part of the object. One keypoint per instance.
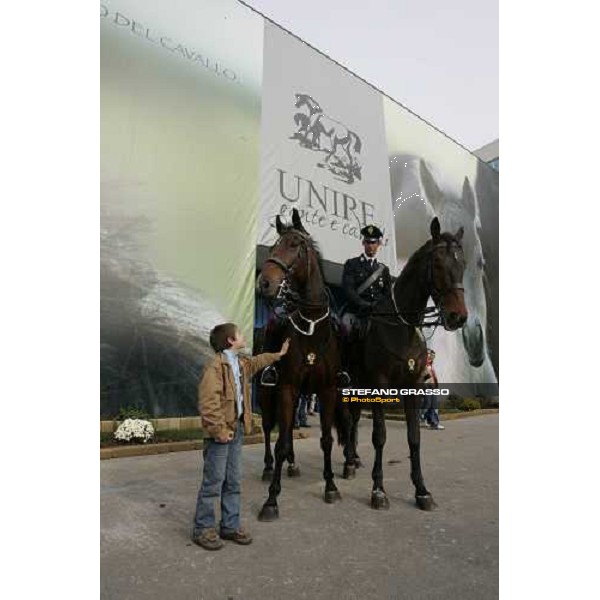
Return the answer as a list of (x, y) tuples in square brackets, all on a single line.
[(269, 377), (343, 379)]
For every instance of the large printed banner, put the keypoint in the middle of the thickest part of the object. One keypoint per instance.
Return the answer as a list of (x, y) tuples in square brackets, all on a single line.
[(180, 125), (431, 176), (213, 122), (323, 150)]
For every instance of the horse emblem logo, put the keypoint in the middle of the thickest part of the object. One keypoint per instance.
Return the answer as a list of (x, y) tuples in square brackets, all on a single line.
[(317, 131), (310, 358)]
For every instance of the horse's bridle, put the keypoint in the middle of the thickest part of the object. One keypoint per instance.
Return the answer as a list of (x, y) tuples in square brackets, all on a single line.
[(455, 285), (432, 312), (285, 291)]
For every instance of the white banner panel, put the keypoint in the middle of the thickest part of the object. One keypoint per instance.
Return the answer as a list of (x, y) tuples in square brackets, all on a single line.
[(323, 151)]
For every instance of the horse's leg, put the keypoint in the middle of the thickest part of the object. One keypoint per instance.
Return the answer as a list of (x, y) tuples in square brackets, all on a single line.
[(356, 412), (379, 498), (267, 473), (347, 149), (354, 433), (423, 497), (334, 144), (270, 510), (327, 417), (350, 454), (267, 405), (293, 469)]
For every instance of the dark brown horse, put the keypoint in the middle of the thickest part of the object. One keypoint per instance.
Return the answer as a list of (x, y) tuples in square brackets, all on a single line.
[(310, 366), (395, 350)]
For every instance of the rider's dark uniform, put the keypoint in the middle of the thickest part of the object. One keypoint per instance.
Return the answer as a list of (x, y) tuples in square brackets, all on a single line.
[(357, 271), (361, 302)]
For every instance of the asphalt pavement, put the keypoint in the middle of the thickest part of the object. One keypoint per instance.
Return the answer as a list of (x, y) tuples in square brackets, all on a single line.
[(315, 550)]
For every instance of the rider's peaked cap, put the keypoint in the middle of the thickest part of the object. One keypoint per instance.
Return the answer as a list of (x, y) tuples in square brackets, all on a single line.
[(371, 233)]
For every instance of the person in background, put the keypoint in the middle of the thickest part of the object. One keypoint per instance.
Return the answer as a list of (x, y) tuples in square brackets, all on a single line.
[(301, 412), (429, 411)]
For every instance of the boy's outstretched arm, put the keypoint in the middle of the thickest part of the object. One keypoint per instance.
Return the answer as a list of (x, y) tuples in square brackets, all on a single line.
[(260, 361)]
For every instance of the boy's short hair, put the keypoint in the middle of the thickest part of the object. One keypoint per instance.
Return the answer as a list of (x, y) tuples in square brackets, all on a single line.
[(219, 335)]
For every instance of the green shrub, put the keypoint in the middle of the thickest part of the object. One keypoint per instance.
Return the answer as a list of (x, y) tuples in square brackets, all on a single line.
[(469, 404), (166, 435), (132, 412)]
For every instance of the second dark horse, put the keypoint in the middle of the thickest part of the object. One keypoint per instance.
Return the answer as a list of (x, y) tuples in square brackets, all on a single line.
[(395, 351)]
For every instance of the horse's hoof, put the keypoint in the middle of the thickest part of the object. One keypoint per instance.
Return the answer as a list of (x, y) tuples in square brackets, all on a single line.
[(379, 500), (349, 472), (332, 496), (267, 475), (426, 502), (293, 471), (268, 512)]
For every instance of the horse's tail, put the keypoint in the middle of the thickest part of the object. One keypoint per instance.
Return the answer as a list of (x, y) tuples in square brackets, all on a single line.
[(357, 143), (341, 421)]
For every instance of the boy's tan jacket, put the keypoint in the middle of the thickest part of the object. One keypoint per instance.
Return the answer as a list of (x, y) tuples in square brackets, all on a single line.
[(216, 392)]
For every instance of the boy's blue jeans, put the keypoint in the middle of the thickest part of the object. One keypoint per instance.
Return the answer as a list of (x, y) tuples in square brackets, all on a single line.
[(221, 478)]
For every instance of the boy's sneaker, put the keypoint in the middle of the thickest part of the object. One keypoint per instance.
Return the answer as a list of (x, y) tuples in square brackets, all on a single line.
[(239, 537), (208, 538), (438, 427)]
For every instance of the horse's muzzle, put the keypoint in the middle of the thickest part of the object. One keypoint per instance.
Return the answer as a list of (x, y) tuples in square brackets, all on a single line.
[(266, 287), (454, 321)]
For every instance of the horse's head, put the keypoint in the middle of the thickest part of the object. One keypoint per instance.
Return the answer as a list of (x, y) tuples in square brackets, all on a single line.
[(313, 105), (462, 209), (287, 267), (446, 276)]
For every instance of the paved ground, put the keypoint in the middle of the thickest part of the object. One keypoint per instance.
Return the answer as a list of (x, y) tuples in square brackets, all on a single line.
[(315, 550)]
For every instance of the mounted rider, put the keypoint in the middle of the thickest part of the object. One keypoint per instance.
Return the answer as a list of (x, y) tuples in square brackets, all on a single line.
[(365, 281)]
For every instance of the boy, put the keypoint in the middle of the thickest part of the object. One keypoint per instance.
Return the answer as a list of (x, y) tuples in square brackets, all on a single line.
[(225, 407)]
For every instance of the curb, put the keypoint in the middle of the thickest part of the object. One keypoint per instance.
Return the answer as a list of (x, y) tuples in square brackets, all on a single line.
[(165, 447), (444, 416)]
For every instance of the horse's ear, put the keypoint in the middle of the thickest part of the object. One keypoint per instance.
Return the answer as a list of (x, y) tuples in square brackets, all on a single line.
[(433, 192), (468, 199), (435, 229), (297, 221), (459, 234), (279, 225)]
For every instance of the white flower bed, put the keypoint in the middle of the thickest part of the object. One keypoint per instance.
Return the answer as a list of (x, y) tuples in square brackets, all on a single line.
[(136, 430)]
